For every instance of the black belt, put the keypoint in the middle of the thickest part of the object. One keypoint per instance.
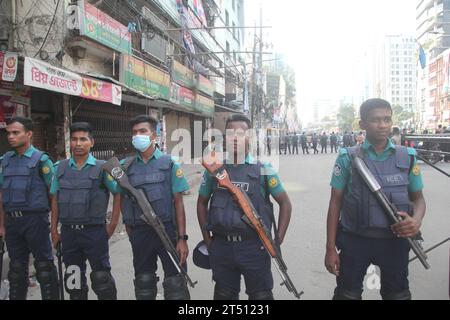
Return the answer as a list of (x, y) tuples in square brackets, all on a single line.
[(81, 226), (235, 237), (20, 213)]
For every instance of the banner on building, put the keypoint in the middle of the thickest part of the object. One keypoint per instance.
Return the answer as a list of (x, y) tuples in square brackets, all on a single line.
[(144, 77), (204, 105), (200, 12), (204, 85), (172, 9), (182, 75), (187, 36), (9, 62), (100, 27), (182, 96), (42, 75)]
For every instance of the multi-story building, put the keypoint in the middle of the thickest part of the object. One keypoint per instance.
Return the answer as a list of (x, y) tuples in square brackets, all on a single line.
[(433, 28), (104, 61), (391, 71), (400, 74), (433, 34)]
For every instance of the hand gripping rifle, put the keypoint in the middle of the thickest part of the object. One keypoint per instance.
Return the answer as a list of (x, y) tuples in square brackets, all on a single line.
[(149, 216), (251, 217), (387, 206)]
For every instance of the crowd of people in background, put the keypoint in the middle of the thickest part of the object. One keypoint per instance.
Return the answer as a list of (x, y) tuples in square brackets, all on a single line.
[(322, 142), (309, 142)]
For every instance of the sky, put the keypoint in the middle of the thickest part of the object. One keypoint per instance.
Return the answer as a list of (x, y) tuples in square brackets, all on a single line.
[(325, 40)]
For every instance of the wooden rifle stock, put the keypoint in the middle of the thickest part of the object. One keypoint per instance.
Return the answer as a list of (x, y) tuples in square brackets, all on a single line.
[(216, 169)]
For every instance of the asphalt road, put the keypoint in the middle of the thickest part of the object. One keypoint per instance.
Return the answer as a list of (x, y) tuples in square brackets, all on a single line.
[(306, 179)]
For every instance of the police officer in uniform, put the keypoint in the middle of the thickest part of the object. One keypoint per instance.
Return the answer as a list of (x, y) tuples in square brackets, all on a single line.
[(304, 143), (163, 181), (295, 143), (357, 227), (333, 142), (25, 178), (81, 191), (233, 246)]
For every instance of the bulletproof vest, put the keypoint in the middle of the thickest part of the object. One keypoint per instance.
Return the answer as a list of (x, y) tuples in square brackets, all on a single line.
[(81, 197), (155, 179), (225, 215), (23, 188), (361, 213)]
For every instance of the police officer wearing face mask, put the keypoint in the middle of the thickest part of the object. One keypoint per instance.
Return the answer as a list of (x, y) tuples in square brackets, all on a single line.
[(163, 181), (81, 191), (25, 177)]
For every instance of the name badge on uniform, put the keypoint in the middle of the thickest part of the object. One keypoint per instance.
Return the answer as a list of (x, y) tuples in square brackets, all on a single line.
[(394, 179), (244, 186)]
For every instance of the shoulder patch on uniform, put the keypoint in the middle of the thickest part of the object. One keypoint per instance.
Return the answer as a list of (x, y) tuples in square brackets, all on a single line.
[(273, 182), (110, 178), (416, 170), (45, 170), (179, 173), (337, 170)]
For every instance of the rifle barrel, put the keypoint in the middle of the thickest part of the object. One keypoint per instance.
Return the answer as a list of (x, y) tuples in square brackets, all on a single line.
[(387, 206)]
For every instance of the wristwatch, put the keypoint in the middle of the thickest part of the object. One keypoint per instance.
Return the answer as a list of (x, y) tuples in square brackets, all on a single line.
[(183, 237)]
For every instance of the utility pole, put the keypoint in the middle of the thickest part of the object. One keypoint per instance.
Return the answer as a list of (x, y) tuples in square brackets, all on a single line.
[(253, 99), (260, 80), (260, 68)]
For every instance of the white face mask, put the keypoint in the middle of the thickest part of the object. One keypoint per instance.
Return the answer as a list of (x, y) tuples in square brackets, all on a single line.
[(141, 142)]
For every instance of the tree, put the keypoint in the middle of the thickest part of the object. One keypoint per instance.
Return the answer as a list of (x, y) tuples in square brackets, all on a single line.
[(399, 114), (346, 117)]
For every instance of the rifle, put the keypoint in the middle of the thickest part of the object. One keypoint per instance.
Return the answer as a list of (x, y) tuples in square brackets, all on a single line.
[(389, 208), (60, 271), (149, 216), (432, 248), (252, 218), (2, 251)]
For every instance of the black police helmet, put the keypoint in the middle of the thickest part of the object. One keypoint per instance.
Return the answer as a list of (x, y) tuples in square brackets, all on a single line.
[(201, 257)]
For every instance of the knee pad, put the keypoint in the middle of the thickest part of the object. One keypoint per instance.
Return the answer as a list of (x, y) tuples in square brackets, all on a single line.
[(47, 276), (221, 293), (103, 285), (145, 286), (403, 295), (343, 294), (76, 293), (18, 280), (175, 288), (262, 295)]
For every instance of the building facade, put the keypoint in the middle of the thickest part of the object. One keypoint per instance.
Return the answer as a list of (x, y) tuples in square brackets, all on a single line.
[(433, 35), (104, 61)]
